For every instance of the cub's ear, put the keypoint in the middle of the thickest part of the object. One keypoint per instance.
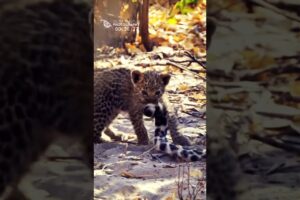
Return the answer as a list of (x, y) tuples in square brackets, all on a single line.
[(136, 76), (165, 78)]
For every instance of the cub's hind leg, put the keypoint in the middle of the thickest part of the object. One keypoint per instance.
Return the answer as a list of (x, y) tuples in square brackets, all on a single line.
[(104, 114), (99, 125)]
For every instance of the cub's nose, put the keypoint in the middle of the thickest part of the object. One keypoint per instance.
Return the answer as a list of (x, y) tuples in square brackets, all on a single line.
[(149, 110)]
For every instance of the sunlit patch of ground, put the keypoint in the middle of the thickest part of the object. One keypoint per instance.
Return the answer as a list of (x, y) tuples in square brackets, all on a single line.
[(128, 171), (125, 172)]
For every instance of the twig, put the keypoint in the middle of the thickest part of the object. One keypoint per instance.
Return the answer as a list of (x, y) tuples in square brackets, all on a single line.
[(194, 59), (184, 68), (197, 188), (216, 12), (275, 168), (53, 158), (188, 180), (192, 114), (275, 143), (175, 65), (271, 72), (154, 157), (229, 108), (184, 182), (142, 154), (104, 166), (180, 61), (285, 96), (180, 183), (276, 10)]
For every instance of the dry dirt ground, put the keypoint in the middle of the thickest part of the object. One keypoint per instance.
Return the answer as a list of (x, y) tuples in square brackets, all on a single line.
[(125, 170), (128, 171)]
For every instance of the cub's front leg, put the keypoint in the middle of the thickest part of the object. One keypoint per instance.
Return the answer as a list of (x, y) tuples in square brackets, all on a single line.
[(136, 118)]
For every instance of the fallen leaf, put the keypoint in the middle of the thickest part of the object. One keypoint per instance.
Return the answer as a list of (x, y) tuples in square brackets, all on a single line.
[(196, 173), (171, 197), (127, 175), (254, 60), (172, 21), (295, 88), (183, 87), (199, 96)]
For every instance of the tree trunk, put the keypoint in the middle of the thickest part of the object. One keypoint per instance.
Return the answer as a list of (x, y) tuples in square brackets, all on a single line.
[(144, 25)]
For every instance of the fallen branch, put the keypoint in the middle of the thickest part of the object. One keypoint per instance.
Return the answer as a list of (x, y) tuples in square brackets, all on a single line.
[(181, 61), (175, 65), (277, 10), (194, 115), (276, 143), (271, 72), (195, 59), (184, 68), (127, 174), (229, 108), (184, 182), (142, 154), (54, 158), (157, 157)]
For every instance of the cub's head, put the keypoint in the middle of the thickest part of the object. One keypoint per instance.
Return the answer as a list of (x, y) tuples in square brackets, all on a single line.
[(149, 86)]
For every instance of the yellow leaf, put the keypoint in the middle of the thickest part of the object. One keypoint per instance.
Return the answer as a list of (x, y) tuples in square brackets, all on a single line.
[(171, 196), (183, 87), (173, 69), (128, 175), (202, 74), (196, 173), (132, 49), (295, 88), (179, 37), (172, 21), (253, 60), (199, 96)]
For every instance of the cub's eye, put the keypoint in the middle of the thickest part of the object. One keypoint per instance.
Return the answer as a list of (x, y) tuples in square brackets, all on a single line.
[(144, 93), (157, 93)]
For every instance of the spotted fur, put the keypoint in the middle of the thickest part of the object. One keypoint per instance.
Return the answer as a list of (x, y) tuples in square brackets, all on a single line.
[(159, 113), (121, 89)]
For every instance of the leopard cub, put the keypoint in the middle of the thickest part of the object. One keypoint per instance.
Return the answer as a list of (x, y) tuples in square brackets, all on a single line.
[(124, 90), (121, 89)]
